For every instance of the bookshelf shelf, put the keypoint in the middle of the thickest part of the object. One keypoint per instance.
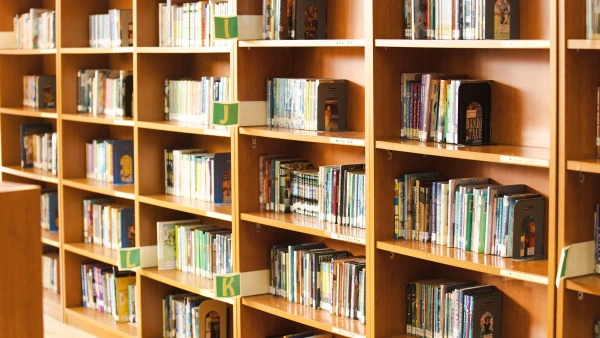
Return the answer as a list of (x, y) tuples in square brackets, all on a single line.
[(589, 284), (525, 156), (92, 320), (181, 127), (299, 313), (589, 166), (307, 225), (27, 51), (532, 271), (93, 251), (583, 44), (465, 44), (30, 173), (182, 50), (87, 50), (30, 112), (185, 281), (121, 191), (303, 43), (101, 119), (350, 138), (192, 206), (51, 238), (52, 304)]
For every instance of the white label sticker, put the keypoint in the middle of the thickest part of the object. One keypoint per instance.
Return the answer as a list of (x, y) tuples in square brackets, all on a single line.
[(345, 42), (523, 160), (350, 239), (124, 195), (218, 215), (123, 123), (346, 333), (524, 276), (49, 115), (347, 141)]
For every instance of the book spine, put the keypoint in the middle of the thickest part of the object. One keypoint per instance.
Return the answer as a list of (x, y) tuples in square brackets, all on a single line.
[(598, 122)]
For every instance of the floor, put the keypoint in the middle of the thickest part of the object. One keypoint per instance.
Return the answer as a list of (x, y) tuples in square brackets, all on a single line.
[(55, 329)]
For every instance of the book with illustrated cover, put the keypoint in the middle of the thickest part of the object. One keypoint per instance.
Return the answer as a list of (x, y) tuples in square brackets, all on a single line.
[(166, 242), (27, 141), (126, 228), (502, 19), (49, 203), (529, 227), (222, 177), (311, 19), (122, 162), (331, 114)]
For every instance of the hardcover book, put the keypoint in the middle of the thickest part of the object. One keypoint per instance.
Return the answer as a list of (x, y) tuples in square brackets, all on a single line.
[(331, 114), (502, 19), (123, 162), (529, 225), (50, 210), (222, 177), (474, 112), (126, 227), (27, 143), (485, 312), (311, 19)]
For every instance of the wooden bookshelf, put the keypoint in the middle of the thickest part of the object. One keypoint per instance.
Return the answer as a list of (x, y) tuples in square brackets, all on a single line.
[(31, 173), (464, 44), (51, 238), (355, 138), (587, 284), (25, 111), (303, 43), (27, 51)]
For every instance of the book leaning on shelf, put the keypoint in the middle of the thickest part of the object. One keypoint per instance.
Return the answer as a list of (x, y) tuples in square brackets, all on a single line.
[(108, 224), (461, 19), (471, 214), (294, 19), (447, 309), (195, 248), (105, 92), (308, 104), (39, 91), (197, 174), (35, 30), (318, 277), (39, 147), (190, 24), (106, 289), (191, 101), (187, 315), (51, 269), (110, 161), (114, 29), (49, 210)]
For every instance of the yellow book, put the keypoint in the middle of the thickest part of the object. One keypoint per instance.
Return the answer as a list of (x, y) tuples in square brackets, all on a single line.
[(122, 297)]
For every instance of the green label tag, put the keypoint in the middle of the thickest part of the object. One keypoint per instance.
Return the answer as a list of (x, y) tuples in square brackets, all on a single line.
[(227, 286), (226, 28), (129, 258), (225, 113)]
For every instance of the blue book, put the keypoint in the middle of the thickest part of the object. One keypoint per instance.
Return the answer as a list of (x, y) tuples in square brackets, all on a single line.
[(126, 228), (27, 132), (222, 177), (123, 162), (51, 210)]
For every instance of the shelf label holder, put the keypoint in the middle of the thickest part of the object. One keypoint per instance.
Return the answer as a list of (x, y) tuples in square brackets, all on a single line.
[(139, 257), (235, 285)]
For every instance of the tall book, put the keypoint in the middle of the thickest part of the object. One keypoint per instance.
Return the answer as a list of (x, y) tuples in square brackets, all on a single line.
[(222, 177)]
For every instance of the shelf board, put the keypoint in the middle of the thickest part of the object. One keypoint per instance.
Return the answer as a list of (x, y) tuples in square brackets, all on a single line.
[(182, 50), (30, 173), (121, 191), (30, 112), (100, 119), (102, 321), (531, 271), (185, 281), (52, 304), (189, 205), (583, 44), (27, 51), (588, 166), (299, 313), (88, 50), (589, 284), (303, 43), (182, 127), (94, 251), (525, 156), (307, 225), (350, 138), (51, 238), (466, 44)]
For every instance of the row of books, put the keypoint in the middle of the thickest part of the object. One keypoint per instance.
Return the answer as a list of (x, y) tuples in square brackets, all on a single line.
[(106, 289), (197, 174), (304, 335), (319, 277), (114, 29), (294, 19), (192, 101), (448, 309), (51, 270), (49, 210), (108, 224), (39, 147), (35, 30), (105, 92), (189, 24), (472, 214), (110, 161), (195, 248), (461, 19), (188, 315), (597, 239), (446, 108), (592, 20), (309, 104), (39, 91)]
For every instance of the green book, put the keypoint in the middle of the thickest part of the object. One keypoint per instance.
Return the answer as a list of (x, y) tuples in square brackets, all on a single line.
[(468, 220)]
